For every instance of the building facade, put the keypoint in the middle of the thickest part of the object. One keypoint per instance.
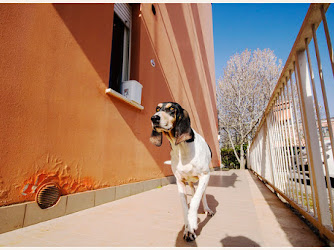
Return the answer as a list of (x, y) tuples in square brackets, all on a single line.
[(63, 118)]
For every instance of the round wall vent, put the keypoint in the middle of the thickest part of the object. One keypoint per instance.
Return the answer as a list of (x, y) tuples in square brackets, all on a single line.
[(48, 195)]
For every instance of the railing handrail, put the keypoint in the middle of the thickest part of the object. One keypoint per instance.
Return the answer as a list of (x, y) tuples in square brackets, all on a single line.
[(312, 17)]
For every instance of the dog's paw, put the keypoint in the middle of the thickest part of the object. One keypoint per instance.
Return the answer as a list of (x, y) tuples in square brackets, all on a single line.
[(189, 236), (209, 212)]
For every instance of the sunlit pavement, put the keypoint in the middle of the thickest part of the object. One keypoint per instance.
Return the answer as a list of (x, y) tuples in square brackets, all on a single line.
[(247, 215)]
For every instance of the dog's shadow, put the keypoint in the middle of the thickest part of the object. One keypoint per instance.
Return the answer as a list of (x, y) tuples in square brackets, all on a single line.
[(212, 203)]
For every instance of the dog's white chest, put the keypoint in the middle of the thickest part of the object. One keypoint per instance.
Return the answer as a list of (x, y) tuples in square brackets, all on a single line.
[(190, 160), (182, 164), (186, 173)]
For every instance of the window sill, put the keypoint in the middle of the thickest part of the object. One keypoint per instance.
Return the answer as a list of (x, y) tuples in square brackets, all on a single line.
[(119, 96)]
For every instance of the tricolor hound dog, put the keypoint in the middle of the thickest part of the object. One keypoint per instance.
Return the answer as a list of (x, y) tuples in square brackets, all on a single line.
[(190, 158)]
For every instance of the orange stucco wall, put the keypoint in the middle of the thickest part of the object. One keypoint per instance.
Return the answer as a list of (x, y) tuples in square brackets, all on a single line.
[(58, 124)]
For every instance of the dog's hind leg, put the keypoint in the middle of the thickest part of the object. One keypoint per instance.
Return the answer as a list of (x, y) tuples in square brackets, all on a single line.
[(207, 210)]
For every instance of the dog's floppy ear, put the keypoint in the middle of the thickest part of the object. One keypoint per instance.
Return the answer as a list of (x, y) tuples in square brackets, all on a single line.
[(182, 127), (156, 138)]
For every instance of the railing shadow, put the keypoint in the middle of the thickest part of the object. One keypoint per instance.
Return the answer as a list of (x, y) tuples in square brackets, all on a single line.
[(284, 220), (238, 241)]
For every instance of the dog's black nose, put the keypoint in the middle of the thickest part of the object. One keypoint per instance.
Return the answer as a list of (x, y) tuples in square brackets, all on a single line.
[(155, 119)]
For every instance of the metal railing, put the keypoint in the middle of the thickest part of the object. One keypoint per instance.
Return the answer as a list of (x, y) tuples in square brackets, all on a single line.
[(289, 151)]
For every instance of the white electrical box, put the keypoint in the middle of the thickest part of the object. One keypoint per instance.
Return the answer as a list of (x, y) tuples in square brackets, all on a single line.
[(132, 90)]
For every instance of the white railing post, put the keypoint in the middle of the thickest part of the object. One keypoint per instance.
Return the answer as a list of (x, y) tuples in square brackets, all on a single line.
[(312, 140), (271, 152)]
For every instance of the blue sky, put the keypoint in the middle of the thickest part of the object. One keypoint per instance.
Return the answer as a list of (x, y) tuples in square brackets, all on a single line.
[(237, 27)]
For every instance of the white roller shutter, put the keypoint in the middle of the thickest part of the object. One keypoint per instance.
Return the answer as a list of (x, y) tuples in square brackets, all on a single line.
[(123, 10)]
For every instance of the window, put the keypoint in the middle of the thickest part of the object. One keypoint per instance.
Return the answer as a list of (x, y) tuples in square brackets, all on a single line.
[(120, 85), (325, 131), (120, 51)]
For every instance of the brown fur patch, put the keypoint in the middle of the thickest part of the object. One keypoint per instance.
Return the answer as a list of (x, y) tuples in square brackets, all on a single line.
[(169, 135), (168, 105), (182, 138)]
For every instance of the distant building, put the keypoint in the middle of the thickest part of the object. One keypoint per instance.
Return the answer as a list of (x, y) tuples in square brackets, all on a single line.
[(325, 129), (283, 114), (282, 111)]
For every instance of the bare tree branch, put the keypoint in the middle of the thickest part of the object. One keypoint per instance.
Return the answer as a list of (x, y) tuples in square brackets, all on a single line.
[(243, 92)]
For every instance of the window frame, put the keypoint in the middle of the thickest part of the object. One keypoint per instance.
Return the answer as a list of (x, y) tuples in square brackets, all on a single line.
[(124, 12)]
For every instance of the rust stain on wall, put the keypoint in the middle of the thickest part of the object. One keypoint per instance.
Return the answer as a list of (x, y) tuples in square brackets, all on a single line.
[(67, 183), (54, 170)]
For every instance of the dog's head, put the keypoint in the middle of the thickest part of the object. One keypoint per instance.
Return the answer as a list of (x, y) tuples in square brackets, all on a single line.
[(171, 119)]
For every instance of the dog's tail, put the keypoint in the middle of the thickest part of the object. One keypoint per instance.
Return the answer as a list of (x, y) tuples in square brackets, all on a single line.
[(210, 150)]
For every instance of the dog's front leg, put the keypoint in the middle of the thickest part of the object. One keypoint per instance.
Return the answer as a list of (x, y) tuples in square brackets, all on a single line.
[(195, 201), (182, 192)]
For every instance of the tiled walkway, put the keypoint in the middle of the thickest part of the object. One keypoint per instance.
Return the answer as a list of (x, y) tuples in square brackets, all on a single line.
[(247, 214)]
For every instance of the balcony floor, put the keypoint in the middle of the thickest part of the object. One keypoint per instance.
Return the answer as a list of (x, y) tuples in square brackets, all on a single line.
[(247, 215)]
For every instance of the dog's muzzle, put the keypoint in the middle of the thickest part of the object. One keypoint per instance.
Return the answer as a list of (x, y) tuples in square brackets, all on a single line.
[(155, 120)]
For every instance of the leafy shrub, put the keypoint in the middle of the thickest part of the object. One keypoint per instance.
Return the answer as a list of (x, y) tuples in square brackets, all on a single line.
[(228, 157)]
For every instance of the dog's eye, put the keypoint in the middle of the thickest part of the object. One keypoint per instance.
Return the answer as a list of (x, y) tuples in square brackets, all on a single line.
[(158, 109), (171, 109)]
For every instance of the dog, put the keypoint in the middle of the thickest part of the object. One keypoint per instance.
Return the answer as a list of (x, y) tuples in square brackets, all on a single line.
[(190, 159)]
